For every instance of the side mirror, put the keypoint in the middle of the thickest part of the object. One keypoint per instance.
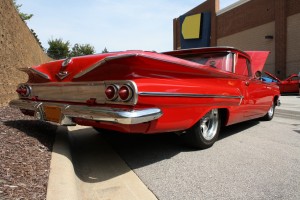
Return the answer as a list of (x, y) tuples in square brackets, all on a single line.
[(258, 75)]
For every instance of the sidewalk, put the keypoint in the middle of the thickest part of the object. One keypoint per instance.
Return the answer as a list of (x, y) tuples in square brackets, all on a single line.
[(289, 108), (84, 166), (290, 103)]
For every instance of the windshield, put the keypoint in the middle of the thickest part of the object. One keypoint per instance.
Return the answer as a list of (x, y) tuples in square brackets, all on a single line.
[(219, 60)]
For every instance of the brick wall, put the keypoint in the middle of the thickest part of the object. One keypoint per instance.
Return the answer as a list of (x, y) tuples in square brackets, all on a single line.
[(257, 19), (18, 48), (293, 44), (246, 26), (246, 16), (254, 39)]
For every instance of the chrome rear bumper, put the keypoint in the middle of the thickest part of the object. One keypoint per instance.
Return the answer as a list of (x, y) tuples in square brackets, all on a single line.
[(105, 114)]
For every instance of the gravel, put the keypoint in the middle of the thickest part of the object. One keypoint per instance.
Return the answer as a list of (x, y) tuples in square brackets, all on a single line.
[(25, 154)]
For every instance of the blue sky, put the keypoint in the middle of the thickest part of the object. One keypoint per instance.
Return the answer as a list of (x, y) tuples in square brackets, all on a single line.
[(116, 25)]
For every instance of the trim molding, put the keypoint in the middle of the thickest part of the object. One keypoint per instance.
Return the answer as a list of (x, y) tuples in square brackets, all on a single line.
[(166, 94), (26, 70)]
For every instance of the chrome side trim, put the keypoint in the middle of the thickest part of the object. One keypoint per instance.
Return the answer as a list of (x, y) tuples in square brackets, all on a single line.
[(104, 114), (24, 69), (40, 73), (101, 62), (166, 94)]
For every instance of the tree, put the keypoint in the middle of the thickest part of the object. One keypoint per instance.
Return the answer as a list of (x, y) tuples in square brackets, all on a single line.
[(58, 49), (37, 39), (105, 50), (24, 16), (82, 49)]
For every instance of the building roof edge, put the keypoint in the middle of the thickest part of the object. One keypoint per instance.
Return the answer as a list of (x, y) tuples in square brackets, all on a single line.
[(232, 6)]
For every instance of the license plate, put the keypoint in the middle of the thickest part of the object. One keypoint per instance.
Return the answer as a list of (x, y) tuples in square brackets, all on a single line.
[(52, 113)]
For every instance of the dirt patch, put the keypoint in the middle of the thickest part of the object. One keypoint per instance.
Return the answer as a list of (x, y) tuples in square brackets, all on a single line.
[(25, 154)]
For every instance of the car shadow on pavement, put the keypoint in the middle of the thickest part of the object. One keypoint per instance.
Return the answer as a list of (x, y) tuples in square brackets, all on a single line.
[(228, 131), (297, 131), (96, 156), (91, 152), (142, 150), (93, 159)]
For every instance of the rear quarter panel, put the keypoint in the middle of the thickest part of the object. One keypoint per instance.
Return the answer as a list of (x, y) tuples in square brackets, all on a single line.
[(184, 102)]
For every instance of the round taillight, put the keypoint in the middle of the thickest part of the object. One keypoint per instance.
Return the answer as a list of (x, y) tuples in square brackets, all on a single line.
[(24, 90), (111, 92), (125, 93)]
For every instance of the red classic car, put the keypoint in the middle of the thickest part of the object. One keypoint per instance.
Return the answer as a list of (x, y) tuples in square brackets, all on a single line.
[(288, 85), (192, 92)]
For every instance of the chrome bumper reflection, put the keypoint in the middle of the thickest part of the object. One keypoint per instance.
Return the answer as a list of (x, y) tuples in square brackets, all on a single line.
[(105, 114)]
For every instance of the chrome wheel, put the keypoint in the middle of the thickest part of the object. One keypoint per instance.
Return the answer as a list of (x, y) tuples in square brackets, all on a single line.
[(205, 132), (271, 111), (209, 124), (270, 114)]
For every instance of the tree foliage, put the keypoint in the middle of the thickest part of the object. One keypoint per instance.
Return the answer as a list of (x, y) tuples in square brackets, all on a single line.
[(24, 16), (37, 39), (105, 50), (82, 49), (59, 49)]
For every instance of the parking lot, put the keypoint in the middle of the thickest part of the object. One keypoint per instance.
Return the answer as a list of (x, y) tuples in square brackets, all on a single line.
[(251, 160)]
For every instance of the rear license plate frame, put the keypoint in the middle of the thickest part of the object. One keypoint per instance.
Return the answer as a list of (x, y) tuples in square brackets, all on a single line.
[(52, 113)]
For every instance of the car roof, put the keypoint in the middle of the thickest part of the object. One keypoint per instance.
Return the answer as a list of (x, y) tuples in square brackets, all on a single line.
[(206, 50)]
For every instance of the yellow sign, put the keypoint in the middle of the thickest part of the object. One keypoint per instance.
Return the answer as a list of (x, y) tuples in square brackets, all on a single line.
[(191, 27)]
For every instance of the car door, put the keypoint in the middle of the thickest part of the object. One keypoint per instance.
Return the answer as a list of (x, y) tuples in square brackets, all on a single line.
[(291, 84), (257, 94)]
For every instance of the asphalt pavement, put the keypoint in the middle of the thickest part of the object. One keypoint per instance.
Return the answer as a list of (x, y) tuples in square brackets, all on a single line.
[(290, 107), (251, 160)]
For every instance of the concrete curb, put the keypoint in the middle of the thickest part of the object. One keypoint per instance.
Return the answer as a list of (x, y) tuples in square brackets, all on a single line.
[(95, 161), (100, 172), (62, 178), (290, 105), (289, 108)]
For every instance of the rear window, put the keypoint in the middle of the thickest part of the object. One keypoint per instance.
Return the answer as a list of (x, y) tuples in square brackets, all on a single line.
[(222, 60)]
